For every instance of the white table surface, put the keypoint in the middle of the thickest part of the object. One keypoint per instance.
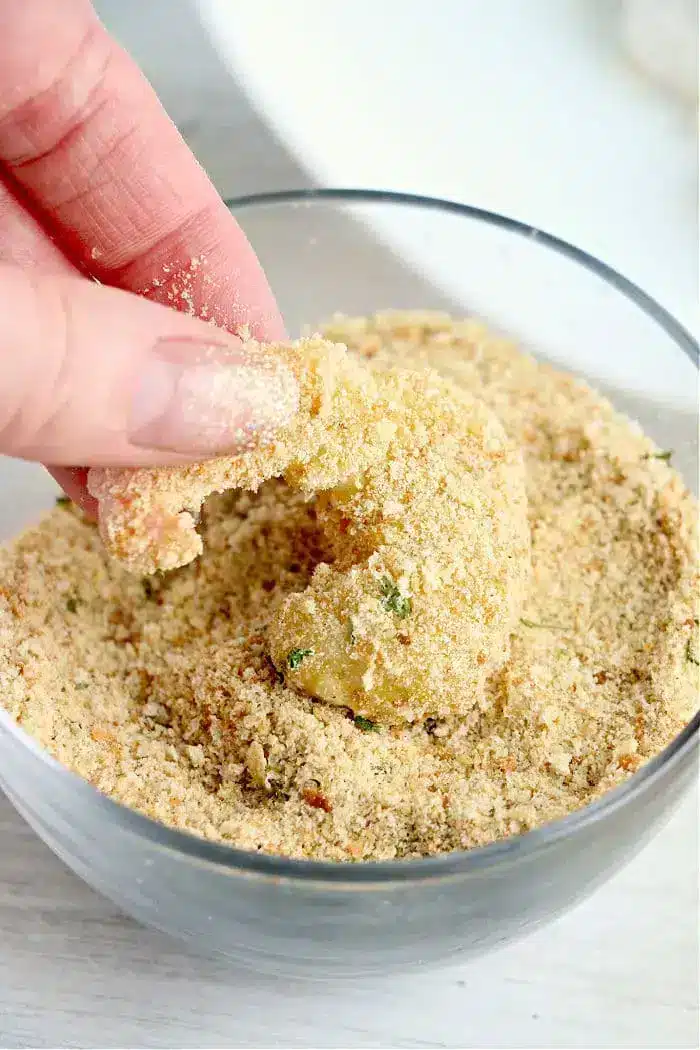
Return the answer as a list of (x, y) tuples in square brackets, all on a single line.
[(620, 970)]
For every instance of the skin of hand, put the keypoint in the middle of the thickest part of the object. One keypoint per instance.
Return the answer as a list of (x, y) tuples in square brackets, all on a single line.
[(100, 199)]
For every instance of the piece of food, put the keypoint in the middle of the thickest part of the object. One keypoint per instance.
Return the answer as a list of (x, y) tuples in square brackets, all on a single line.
[(148, 516), (430, 569), (421, 498)]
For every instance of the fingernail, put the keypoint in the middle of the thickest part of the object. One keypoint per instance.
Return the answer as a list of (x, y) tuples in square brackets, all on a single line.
[(210, 398)]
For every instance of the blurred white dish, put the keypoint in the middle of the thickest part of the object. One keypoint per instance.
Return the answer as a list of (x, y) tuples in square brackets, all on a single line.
[(662, 38), (523, 109)]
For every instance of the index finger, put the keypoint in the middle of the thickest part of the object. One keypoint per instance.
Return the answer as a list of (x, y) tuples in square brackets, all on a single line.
[(84, 137)]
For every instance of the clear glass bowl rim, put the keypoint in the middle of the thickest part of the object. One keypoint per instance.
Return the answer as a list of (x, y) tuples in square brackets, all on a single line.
[(459, 863)]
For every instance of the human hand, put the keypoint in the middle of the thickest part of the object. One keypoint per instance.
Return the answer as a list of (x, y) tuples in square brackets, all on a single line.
[(96, 185)]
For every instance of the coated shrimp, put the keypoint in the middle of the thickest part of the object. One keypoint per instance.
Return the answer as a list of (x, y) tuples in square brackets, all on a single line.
[(422, 499)]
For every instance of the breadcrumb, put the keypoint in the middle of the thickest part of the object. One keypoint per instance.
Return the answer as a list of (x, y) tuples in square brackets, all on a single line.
[(160, 690)]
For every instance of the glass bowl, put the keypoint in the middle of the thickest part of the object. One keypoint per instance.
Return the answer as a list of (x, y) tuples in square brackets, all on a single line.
[(357, 252)]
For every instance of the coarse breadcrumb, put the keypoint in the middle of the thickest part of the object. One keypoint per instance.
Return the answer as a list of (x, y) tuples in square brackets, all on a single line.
[(161, 692)]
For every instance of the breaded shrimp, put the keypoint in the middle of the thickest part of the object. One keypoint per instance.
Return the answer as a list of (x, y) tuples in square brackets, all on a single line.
[(422, 498)]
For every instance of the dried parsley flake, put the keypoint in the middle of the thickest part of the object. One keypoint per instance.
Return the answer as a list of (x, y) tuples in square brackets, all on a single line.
[(393, 600), (366, 724), (295, 657)]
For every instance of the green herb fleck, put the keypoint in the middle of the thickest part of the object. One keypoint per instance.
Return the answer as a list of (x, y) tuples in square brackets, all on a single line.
[(64, 501), (352, 637), (72, 605), (366, 724), (689, 655), (665, 456), (543, 626), (296, 656), (82, 685), (393, 600)]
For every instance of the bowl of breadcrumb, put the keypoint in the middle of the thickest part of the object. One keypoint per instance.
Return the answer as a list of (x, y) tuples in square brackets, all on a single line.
[(422, 671)]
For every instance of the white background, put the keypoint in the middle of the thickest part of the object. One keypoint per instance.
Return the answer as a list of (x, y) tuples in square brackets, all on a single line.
[(524, 107)]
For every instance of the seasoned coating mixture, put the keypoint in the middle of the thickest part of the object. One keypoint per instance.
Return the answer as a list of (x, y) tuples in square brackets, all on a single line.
[(160, 691), (424, 513)]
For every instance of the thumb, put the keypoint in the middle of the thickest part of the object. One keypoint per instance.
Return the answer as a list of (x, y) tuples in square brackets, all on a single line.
[(93, 375)]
